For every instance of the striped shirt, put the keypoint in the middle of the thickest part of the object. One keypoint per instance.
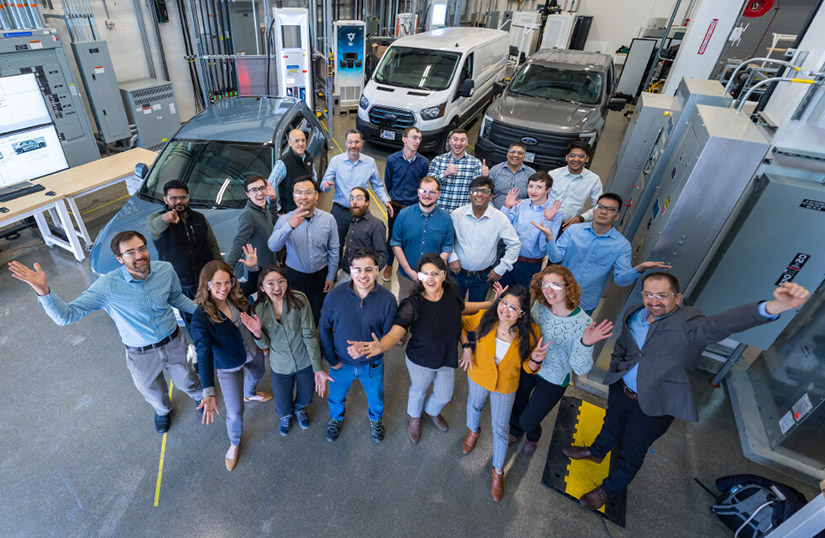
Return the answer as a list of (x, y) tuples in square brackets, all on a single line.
[(141, 309), (455, 189)]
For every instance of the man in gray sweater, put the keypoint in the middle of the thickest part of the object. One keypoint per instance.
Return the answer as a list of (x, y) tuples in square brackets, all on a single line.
[(255, 224)]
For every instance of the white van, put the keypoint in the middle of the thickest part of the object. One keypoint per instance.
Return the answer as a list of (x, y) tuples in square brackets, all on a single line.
[(438, 81)]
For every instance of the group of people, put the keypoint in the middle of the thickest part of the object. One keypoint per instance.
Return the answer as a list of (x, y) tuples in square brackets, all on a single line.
[(474, 292)]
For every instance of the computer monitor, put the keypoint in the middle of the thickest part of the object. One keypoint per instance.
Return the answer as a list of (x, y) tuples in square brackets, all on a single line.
[(30, 154), (21, 103)]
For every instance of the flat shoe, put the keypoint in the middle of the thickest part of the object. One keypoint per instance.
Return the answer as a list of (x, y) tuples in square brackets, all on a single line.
[(259, 397)]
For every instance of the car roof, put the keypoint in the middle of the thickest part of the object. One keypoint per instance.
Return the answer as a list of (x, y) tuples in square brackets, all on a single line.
[(240, 119), (572, 57), (456, 39)]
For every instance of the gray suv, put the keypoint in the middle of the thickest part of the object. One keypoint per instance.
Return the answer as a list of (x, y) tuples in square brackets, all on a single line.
[(556, 97)]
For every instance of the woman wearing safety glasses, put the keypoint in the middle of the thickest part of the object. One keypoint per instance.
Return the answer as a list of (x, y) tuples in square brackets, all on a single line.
[(432, 314), (568, 335), (504, 337), (225, 347)]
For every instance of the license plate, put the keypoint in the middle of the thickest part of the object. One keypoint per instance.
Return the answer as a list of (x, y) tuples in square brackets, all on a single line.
[(387, 135), (529, 156)]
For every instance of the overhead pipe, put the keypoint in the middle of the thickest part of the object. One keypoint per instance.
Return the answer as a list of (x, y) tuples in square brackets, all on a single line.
[(154, 14), (659, 57), (744, 99), (752, 60), (144, 38)]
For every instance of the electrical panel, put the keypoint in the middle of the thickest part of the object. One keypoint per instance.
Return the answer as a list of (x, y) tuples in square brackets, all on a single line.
[(98, 74), (150, 105), (39, 51)]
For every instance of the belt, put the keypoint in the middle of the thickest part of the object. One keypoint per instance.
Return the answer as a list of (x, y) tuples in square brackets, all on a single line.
[(476, 273), (156, 345), (629, 393), (530, 260)]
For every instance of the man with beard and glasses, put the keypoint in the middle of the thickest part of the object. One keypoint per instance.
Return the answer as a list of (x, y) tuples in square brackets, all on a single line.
[(183, 237), (364, 231), (139, 298)]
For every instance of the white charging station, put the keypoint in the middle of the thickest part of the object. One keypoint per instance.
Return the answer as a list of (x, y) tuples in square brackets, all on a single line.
[(406, 24), (293, 53)]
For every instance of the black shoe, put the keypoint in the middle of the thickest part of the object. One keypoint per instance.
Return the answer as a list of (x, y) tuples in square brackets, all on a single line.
[(162, 422), (377, 430), (333, 429)]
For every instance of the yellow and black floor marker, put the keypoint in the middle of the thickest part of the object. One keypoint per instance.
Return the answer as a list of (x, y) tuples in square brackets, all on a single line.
[(578, 423)]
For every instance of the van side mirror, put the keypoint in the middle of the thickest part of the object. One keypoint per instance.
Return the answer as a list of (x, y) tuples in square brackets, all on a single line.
[(498, 88), (616, 103), (141, 170), (467, 88)]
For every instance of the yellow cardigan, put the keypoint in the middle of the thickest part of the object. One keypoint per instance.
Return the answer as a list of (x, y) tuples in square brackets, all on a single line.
[(504, 376)]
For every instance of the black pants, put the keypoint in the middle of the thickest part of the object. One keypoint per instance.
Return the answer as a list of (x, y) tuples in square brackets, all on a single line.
[(343, 218), (637, 431), (300, 383), (535, 398), (189, 291), (396, 209), (312, 285)]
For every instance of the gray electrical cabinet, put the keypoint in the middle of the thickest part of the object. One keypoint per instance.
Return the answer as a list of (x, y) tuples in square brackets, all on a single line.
[(150, 105), (655, 116), (779, 237), (98, 74), (40, 52), (710, 168)]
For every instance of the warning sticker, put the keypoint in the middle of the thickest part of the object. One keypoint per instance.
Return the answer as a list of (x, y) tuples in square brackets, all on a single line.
[(99, 70), (711, 27), (786, 422)]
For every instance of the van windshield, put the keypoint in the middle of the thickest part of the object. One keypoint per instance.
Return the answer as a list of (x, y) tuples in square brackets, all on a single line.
[(417, 68), (538, 80)]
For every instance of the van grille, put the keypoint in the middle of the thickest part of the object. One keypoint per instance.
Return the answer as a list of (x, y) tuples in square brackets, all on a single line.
[(547, 144), (391, 118)]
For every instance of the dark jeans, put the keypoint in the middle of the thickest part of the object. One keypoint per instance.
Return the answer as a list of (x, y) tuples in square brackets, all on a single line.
[(396, 208), (190, 292), (343, 218), (312, 285), (535, 398), (476, 285), (284, 385), (626, 421), (521, 274)]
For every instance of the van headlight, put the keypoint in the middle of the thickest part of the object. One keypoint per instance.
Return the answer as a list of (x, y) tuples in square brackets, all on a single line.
[(364, 103), (433, 112)]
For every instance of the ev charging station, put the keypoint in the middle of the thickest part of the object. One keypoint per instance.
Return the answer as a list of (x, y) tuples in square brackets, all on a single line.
[(350, 48), (406, 24), (292, 50)]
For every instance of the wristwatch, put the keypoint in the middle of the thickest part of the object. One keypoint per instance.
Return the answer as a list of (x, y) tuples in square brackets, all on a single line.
[(466, 345), (581, 218)]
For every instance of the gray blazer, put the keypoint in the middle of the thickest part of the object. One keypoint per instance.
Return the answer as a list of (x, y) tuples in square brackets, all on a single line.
[(670, 354), (254, 227)]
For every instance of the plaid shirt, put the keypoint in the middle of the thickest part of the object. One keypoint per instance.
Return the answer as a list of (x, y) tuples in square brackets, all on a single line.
[(455, 189)]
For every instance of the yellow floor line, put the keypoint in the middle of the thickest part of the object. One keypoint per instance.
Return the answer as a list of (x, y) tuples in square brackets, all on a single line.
[(584, 475), (162, 455), (102, 205)]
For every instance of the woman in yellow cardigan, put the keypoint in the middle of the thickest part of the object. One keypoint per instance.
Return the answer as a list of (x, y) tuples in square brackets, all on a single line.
[(506, 341)]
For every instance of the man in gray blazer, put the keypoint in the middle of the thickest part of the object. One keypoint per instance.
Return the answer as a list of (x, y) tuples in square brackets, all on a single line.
[(255, 224), (649, 375)]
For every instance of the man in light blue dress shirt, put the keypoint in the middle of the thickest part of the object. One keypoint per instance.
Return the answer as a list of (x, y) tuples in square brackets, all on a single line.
[(347, 171), (139, 298), (593, 249)]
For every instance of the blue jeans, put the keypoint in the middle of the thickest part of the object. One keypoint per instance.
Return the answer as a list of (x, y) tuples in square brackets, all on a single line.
[(477, 285), (371, 378), (521, 274)]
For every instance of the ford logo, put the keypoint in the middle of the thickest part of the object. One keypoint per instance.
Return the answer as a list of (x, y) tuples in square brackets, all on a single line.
[(529, 141)]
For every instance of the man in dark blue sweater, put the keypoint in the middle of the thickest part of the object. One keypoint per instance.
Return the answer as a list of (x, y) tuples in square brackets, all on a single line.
[(356, 311)]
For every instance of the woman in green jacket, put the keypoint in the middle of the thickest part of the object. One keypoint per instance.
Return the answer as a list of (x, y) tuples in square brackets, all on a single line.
[(283, 323)]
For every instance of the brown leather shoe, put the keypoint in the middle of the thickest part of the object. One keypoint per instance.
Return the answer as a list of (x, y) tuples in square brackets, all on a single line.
[(529, 447), (512, 439), (259, 397), (387, 275), (469, 441), (439, 422), (497, 485), (415, 430), (231, 462), (595, 499), (580, 453)]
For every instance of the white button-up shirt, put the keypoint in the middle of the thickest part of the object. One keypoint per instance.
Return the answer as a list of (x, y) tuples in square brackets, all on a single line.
[(573, 191), (476, 240)]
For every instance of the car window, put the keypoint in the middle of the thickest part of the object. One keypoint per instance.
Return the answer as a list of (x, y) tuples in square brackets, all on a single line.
[(577, 85), (213, 171)]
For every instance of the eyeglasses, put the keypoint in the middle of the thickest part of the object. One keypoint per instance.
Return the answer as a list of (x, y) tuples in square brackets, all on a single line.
[(662, 296), (178, 198), (256, 190), (221, 283), (427, 192), (462, 140), (577, 155), (553, 285), (134, 252), (270, 284), (480, 191), (609, 209), (303, 192), (511, 308), (357, 198), (366, 270), (422, 276), (516, 152)]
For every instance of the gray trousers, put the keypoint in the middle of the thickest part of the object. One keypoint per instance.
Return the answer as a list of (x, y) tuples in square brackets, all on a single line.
[(254, 371), (147, 367), (235, 385), (405, 285), (501, 405), (443, 381)]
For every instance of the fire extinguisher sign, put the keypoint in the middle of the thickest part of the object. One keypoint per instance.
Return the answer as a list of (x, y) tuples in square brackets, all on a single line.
[(711, 27)]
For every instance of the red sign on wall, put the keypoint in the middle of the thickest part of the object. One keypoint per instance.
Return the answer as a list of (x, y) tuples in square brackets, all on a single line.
[(706, 40)]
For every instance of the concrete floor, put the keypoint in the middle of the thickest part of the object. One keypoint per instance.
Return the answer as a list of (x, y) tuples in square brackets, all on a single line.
[(80, 456)]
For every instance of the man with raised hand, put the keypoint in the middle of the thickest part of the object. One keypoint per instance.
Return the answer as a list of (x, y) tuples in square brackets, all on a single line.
[(511, 174), (455, 170)]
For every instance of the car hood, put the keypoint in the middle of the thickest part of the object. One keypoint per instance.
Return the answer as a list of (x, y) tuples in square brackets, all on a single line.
[(544, 114), (135, 216)]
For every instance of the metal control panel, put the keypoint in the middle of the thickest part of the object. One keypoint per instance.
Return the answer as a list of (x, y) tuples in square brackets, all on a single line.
[(150, 105), (39, 51), (98, 74)]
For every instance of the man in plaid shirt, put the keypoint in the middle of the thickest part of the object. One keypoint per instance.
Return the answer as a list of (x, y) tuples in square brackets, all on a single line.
[(455, 170)]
